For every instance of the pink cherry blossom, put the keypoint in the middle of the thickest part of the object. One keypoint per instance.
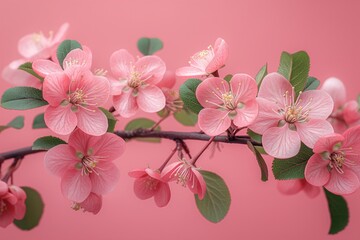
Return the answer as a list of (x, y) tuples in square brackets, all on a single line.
[(74, 97), (31, 47), (206, 62), (85, 164), (135, 82), (92, 203), (187, 174), (173, 102), (284, 120), (336, 162), (294, 186), (12, 204), (149, 184), (226, 103)]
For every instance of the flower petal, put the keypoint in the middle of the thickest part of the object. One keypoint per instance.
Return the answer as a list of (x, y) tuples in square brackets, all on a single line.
[(61, 33), (351, 112), (20, 207), (168, 174), (290, 187), (311, 131), (221, 52), (190, 72), (273, 88), (198, 186), (162, 195), (61, 119), (318, 103), (32, 45), (108, 146), (352, 139), (121, 63), (152, 69), (150, 99), (117, 86), (213, 121), (92, 203), (316, 171), (59, 159), (209, 92), (243, 87), (105, 178), (78, 58), (336, 89), (246, 115), (45, 67), (144, 187), (168, 81), (326, 143), (125, 104), (137, 173), (4, 188), (7, 216), (18, 77), (92, 122), (345, 183), (75, 186), (267, 116), (55, 88)]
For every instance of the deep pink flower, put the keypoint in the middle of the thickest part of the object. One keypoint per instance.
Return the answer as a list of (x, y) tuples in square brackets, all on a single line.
[(85, 164), (12, 204), (226, 103), (336, 162), (187, 174), (285, 120), (31, 47), (207, 61), (149, 184), (92, 203), (135, 82), (294, 186)]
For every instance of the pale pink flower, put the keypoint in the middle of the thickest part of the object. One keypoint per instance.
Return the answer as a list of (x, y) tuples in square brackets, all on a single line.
[(226, 103), (135, 82), (31, 47), (149, 184), (85, 164), (12, 204), (172, 96), (186, 174), (92, 203), (74, 97), (206, 62), (351, 113), (284, 120), (336, 162), (294, 186)]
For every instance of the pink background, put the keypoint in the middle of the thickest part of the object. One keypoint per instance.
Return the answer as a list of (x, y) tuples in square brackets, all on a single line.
[(257, 32)]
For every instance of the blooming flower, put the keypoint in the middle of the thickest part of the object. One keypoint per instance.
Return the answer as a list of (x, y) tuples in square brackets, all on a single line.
[(226, 103), (85, 164), (336, 162), (135, 83), (294, 186), (285, 120), (207, 61), (92, 203), (31, 47), (173, 102), (149, 184), (187, 174), (12, 204)]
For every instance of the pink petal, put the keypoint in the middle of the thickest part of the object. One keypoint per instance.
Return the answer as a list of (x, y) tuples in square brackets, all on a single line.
[(336, 89), (92, 203), (213, 121), (92, 122), (316, 171), (352, 139), (326, 143), (78, 58), (281, 142), (290, 187), (7, 216), (345, 183), (108, 146), (106, 177), (152, 69), (168, 80), (150, 99), (351, 112), (121, 63), (125, 104), (318, 102), (33, 45), (61, 33), (20, 207), (46, 67), (145, 187), (311, 131), (190, 72), (339, 125), (221, 52), (153, 173), (3, 188), (18, 77), (78, 140), (137, 173), (198, 186), (117, 86), (75, 186), (61, 120), (246, 115), (168, 174), (59, 159), (273, 88), (243, 87), (55, 88), (209, 92), (97, 90), (162, 195)]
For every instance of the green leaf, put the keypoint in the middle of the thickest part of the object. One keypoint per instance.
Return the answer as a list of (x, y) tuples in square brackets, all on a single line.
[(261, 162), (228, 77), (254, 136), (22, 98), (148, 46), (64, 48), (186, 117), (143, 123), (163, 113), (216, 202), (292, 168), (39, 122), (16, 123), (46, 143), (295, 67), (187, 94), (111, 120), (311, 84), (27, 67), (261, 74), (339, 212), (34, 210)]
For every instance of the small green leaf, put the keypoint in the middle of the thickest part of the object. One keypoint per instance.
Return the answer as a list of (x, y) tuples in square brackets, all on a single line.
[(254, 136), (228, 77), (163, 113), (46, 143), (339, 212), (292, 168), (111, 120), (64, 48), (39, 122), (143, 123), (216, 202), (186, 117), (16, 123), (148, 46), (311, 84), (187, 94), (22, 98), (261, 74), (27, 67), (295, 67), (34, 210), (261, 162)]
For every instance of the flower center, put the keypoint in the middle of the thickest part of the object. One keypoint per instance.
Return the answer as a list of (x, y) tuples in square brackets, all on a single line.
[(151, 183), (3, 207), (135, 79), (87, 164), (293, 111), (337, 160), (228, 100), (77, 97)]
